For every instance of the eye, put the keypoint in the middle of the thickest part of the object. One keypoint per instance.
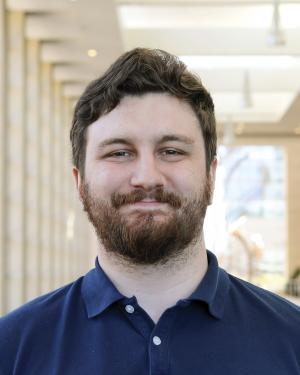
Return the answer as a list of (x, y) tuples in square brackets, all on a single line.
[(171, 152), (121, 154)]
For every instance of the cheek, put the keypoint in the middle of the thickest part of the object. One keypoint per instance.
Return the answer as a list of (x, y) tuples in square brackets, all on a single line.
[(105, 181), (187, 180), (191, 180)]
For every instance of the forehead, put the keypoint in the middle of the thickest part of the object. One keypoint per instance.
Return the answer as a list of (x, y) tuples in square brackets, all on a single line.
[(147, 117)]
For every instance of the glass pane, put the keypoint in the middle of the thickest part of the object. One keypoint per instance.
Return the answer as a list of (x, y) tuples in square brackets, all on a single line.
[(246, 224)]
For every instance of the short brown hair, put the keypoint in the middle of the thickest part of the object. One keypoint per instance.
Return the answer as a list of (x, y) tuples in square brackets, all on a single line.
[(138, 72)]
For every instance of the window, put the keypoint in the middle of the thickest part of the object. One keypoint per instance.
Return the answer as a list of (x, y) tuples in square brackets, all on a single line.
[(246, 225)]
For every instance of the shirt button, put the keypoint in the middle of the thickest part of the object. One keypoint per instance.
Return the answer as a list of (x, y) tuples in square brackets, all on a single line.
[(129, 309), (156, 340)]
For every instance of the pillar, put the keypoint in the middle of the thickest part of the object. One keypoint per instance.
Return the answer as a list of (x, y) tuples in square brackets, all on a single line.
[(46, 193), (57, 184), (68, 192), (33, 171), (293, 205), (16, 157), (2, 154)]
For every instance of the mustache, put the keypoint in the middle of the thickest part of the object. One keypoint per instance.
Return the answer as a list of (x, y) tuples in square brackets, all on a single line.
[(138, 195)]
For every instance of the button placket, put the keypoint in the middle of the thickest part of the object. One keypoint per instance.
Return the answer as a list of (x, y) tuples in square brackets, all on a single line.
[(136, 317), (159, 345)]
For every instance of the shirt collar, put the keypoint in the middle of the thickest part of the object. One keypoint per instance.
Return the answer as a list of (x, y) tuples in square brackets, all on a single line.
[(99, 293), (213, 288)]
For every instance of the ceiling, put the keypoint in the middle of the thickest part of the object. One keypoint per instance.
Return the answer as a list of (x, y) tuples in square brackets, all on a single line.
[(254, 80)]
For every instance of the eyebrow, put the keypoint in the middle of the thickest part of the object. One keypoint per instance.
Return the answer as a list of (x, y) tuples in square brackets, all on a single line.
[(163, 139), (178, 138)]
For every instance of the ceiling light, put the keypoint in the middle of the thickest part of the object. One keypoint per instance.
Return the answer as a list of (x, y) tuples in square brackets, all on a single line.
[(276, 35), (92, 53)]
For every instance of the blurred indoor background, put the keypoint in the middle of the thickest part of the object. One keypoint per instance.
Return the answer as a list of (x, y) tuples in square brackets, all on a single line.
[(247, 53)]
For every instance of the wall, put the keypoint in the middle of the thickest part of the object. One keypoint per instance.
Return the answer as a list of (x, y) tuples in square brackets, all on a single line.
[(44, 236)]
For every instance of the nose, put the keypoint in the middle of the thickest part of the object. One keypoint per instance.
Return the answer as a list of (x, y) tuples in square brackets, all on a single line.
[(146, 174)]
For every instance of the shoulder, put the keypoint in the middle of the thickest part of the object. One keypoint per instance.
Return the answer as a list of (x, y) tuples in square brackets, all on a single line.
[(36, 316), (41, 304), (264, 302)]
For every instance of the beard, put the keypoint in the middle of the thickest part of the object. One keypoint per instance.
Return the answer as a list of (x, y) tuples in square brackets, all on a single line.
[(139, 238)]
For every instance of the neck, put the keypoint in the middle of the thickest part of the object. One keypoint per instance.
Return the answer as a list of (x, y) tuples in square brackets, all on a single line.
[(158, 287)]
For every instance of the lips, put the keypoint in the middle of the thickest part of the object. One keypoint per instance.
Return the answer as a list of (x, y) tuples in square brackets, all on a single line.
[(147, 204), (148, 201)]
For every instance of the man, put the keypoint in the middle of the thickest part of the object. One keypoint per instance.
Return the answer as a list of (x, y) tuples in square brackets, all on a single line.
[(144, 153)]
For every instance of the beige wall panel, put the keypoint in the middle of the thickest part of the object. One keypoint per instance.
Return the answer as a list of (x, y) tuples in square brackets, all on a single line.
[(32, 170), (78, 227), (65, 185), (72, 203), (3, 153), (57, 185), (80, 241), (93, 246), (293, 200), (66, 188), (69, 189), (46, 154), (15, 229)]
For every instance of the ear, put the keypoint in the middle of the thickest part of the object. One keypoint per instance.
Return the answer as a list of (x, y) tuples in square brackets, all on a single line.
[(212, 177), (78, 180)]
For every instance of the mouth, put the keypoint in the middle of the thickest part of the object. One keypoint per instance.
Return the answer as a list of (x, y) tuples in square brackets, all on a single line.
[(148, 204)]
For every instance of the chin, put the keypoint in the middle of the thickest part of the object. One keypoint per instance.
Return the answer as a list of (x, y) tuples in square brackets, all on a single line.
[(142, 217)]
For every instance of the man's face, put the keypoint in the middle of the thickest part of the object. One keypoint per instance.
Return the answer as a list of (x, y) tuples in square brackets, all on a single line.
[(145, 188)]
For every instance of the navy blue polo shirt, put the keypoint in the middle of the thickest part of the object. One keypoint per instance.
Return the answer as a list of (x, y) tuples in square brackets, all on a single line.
[(227, 326)]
